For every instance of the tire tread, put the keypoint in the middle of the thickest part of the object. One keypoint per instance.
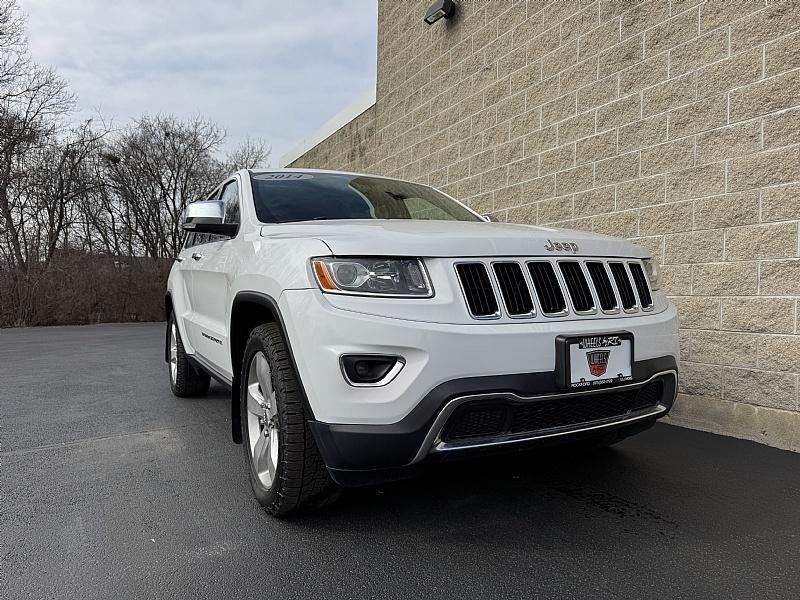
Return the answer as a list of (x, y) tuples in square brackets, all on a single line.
[(303, 480)]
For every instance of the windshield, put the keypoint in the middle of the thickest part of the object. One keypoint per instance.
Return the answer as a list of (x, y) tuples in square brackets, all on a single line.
[(287, 197)]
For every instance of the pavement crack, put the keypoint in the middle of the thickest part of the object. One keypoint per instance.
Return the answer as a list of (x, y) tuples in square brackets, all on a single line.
[(86, 441)]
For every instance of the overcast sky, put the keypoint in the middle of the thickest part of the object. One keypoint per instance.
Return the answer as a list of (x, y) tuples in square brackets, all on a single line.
[(264, 68)]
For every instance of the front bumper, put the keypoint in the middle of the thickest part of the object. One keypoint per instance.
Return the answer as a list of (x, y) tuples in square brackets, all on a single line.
[(396, 425), (357, 454)]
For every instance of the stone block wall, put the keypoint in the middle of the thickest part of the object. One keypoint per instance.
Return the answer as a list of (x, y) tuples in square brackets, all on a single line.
[(672, 123)]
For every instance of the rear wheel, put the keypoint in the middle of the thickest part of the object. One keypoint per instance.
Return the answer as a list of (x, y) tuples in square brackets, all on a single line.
[(286, 470), (184, 379)]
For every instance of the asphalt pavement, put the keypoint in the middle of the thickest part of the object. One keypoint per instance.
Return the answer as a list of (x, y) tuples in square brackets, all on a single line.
[(112, 488)]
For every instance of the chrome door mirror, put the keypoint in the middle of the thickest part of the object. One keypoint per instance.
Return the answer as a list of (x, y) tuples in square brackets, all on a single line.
[(203, 212), (208, 216)]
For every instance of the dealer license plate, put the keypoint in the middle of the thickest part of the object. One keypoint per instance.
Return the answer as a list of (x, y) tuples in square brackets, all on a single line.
[(599, 360)]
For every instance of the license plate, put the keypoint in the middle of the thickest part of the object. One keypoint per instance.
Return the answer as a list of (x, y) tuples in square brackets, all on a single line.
[(598, 360)]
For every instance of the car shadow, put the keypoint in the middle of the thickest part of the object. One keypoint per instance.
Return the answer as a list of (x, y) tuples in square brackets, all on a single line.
[(506, 497), (559, 487)]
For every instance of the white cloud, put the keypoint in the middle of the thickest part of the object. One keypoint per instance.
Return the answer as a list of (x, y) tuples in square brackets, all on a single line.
[(261, 68)]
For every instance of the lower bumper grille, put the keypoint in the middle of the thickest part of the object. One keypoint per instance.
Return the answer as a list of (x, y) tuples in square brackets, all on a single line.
[(500, 417)]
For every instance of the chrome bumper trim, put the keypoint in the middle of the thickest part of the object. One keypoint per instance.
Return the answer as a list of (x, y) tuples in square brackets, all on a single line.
[(434, 444), (525, 437)]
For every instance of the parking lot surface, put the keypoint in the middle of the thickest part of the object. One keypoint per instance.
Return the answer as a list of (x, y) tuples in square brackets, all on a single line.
[(112, 488)]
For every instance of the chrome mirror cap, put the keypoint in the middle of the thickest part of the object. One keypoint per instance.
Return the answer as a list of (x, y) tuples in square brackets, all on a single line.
[(203, 212)]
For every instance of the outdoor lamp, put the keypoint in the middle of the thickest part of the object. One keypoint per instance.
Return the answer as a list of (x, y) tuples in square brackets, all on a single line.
[(439, 9)]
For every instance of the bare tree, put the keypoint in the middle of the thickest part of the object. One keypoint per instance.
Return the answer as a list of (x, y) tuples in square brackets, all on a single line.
[(32, 99), (155, 168), (63, 175), (250, 154), (13, 46), (90, 217)]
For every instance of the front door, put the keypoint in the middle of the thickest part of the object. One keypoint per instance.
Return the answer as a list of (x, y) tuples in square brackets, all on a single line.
[(211, 284)]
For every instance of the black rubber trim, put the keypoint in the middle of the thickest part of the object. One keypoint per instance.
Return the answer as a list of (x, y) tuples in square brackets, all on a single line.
[(199, 363), (364, 477), (359, 447)]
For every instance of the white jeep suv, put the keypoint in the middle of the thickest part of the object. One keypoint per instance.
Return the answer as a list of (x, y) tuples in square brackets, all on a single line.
[(366, 324)]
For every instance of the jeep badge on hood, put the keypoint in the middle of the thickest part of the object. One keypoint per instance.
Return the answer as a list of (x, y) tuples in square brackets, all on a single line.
[(561, 247)]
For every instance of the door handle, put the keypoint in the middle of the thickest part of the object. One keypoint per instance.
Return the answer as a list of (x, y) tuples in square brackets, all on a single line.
[(197, 256), (180, 259)]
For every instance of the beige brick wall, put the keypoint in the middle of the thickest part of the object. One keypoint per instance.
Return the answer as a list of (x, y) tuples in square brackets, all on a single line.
[(673, 123)]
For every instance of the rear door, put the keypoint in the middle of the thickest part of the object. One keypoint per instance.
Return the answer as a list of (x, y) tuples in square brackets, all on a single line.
[(211, 284)]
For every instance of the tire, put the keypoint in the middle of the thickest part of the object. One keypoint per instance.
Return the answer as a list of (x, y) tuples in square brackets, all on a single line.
[(184, 379), (286, 471)]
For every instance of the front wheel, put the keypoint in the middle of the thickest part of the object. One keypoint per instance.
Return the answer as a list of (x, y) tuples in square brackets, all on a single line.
[(286, 470)]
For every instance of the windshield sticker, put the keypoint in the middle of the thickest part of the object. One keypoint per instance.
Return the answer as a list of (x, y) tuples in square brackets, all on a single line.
[(283, 176)]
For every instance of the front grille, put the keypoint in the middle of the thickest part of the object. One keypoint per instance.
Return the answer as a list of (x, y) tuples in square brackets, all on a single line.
[(648, 396), (477, 289), (548, 291), (640, 280), (496, 288), (550, 414), (513, 288), (577, 286), (602, 284), (478, 421), (503, 418), (620, 275)]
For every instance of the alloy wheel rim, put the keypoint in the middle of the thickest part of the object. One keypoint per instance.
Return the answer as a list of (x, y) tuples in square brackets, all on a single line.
[(262, 420), (173, 353)]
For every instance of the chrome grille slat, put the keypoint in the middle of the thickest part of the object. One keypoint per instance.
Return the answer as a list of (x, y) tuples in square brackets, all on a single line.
[(624, 287), (548, 289), (513, 288), (523, 288), (642, 287), (577, 286), (477, 288), (602, 285)]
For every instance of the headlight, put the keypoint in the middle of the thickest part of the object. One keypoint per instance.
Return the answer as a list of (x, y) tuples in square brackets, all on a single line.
[(379, 276), (653, 270)]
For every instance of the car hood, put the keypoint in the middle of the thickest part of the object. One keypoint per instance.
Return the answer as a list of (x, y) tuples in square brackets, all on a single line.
[(376, 237)]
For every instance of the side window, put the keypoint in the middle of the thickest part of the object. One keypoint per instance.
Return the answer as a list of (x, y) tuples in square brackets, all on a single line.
[(230, 196), (196, 239)]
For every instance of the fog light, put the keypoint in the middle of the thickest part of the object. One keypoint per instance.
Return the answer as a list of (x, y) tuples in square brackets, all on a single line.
[(370, 369), (364, 369)]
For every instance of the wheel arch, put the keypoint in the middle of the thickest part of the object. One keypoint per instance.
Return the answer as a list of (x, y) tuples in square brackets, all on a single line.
[(248, 311)]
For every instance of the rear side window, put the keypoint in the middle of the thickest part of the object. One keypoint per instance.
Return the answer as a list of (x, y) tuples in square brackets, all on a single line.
[(288, 197)]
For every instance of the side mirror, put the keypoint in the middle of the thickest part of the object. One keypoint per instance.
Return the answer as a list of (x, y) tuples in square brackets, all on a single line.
[(207, 216)]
